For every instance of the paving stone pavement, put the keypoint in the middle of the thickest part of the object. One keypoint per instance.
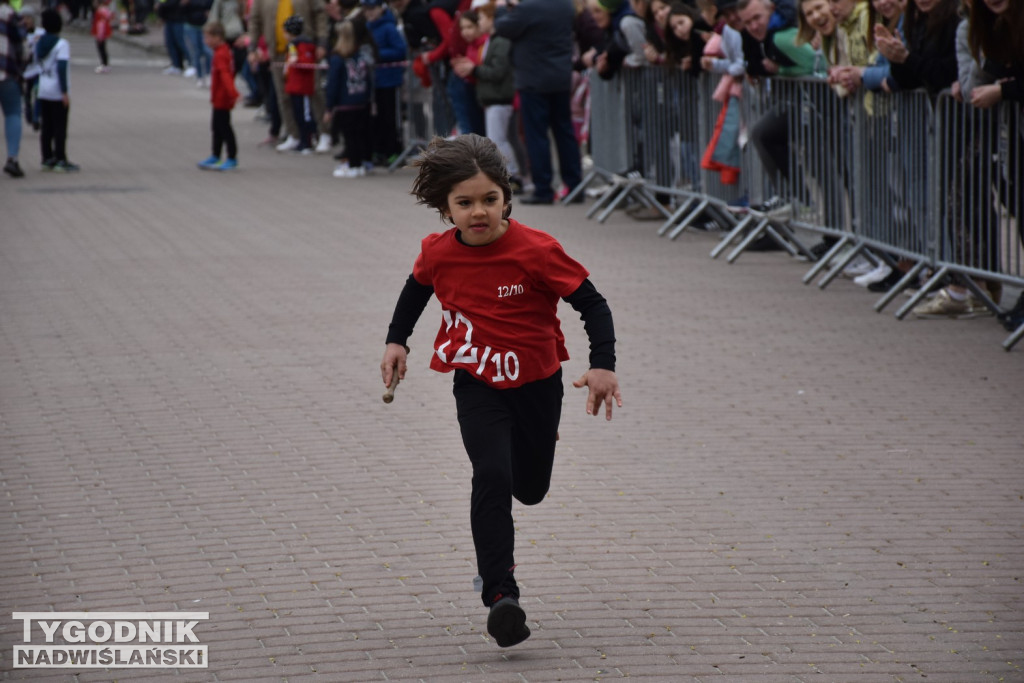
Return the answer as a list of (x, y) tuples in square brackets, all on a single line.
[(797, 488)]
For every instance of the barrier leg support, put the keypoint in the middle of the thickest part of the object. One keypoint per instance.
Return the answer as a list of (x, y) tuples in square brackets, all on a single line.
[(414, 147), (787, 239), (911, 276), (751, 236), (781, 235), (840, 266), (1013, 338), (980, 294), (619, 198), (679, 213), (614, 187), (928, 286), (591, 176), (685, 223), (823, 262), (731, 237)]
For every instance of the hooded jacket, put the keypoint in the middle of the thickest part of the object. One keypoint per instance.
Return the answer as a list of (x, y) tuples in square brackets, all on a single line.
[(541, 35), (391, 49)]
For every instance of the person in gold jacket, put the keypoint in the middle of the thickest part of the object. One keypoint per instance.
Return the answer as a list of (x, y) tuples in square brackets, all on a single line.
[(267, 21)]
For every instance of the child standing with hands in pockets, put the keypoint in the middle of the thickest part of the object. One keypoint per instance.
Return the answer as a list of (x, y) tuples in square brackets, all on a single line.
[(223, 96), (498, 283)]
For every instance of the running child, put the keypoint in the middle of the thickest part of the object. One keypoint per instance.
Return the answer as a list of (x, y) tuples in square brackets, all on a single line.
[(498, 283), (223, 96)]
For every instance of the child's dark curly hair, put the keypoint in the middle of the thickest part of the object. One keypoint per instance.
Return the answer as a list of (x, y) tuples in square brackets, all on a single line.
[(446, 163)]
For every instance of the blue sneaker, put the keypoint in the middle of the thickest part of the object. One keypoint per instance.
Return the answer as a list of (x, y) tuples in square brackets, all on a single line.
[(208, 163), (227, 165)]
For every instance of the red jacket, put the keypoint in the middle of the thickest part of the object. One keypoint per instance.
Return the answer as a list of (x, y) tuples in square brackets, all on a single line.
[(300, 78), (452, 44), (101, 18), (223, 94)]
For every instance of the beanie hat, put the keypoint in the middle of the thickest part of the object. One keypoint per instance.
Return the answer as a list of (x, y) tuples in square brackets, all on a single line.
[(293, 25), (610, 6)]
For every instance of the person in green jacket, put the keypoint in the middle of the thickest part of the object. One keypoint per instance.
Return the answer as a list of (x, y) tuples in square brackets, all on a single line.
[(488, 62)]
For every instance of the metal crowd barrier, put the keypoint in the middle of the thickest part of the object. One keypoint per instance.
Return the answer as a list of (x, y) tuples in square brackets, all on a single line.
[(422, 112), (893, 177)]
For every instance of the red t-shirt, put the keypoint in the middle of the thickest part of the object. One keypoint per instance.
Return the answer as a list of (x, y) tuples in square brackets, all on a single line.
[(499, 301)]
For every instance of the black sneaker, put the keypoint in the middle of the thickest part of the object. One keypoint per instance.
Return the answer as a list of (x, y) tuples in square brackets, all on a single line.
[(49, 164), (1011, 323), (65, 167), (819, 250), (764, 243), (507, 623), (1014, 317), (13, 169)]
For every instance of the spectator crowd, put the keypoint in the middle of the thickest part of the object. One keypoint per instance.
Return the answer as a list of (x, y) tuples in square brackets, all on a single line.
[(336, 77)]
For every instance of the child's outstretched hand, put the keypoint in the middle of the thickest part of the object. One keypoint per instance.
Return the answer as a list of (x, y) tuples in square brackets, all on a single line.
[(604, 388), (395, 356)]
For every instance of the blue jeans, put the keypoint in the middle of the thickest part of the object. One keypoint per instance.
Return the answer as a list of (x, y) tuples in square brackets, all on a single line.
[(540, 111), (469, 115), (174, 41), (10, 99), (199, 55)]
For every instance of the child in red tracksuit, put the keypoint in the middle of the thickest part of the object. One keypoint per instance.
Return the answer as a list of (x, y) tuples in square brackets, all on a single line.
[(300, 80), (101, 30), (223, 96)]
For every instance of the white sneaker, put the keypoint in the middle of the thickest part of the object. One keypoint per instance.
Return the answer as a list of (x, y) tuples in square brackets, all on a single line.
[(350, 172), (324, 145), (341, 170), (876, 275), (172, 71), (190, 72), (289, 144), (860, 266)]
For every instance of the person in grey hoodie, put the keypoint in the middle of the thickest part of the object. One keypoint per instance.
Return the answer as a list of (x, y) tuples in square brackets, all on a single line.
[(541, 33)]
